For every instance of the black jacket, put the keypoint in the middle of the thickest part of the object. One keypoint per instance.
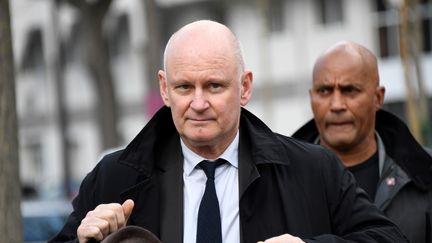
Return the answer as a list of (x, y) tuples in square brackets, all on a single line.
[(404, 191), (285, 186)]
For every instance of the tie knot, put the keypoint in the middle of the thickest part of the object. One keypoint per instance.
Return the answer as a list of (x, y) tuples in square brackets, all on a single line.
[(209, 167)]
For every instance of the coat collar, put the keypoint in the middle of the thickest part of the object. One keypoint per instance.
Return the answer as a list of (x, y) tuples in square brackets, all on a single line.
[(265, 146), (149, 143), (404, 149), (399, 145)]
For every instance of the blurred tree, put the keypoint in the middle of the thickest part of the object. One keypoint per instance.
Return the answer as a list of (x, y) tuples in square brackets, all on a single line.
[(57, 62), (410, 51), (153, 54), (96, 57), (10, 197)]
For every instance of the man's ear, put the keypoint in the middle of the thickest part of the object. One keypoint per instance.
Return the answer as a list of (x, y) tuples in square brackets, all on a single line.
[(163, 87), (380, 93), (246, 87)]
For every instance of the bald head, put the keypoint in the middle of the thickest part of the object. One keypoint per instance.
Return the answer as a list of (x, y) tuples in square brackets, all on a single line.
[(200, 38), (349, 53)]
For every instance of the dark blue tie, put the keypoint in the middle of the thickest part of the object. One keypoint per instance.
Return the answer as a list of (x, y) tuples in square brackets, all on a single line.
[(209, 221)]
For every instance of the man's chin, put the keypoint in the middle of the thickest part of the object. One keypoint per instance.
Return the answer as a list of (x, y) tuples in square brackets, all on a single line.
[(341, 144), (200, 141)]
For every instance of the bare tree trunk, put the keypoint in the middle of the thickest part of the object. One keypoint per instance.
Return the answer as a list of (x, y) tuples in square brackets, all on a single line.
[(265, 59), (62, 114), (10, 196), (410, 51), (95, 49), (154, 42), (416, 48), (411, 110), (153, 55)]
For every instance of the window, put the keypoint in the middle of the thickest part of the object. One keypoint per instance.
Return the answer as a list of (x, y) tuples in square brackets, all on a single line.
[(330, 11), (381, 5), (33, 53), (31, 176), (71, 47), (276, 16), (119, 38), (427, 34), (389, 26), (389, 41)]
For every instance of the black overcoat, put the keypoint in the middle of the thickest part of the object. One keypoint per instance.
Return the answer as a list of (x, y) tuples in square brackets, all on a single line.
[(285, 186), (404, 190)]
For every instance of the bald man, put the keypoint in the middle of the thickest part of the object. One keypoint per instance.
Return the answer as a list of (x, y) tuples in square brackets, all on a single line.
[(206, 170), (376, 146)]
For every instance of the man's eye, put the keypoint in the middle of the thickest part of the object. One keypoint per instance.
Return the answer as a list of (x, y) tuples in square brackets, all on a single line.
[(183, 87), (215, 86), (349, 89), (323, 90)]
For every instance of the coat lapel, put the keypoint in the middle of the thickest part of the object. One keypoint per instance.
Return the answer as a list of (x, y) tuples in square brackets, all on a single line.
[(248, 173), (159, 198), (247, 169), (171, 180), (145, 196)]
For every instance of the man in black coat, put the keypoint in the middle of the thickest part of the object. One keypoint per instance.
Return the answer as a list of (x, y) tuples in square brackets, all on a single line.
[(270, 186), (373, 144)]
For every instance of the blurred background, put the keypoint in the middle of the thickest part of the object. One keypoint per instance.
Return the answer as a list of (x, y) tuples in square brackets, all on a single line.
[(86, 71)]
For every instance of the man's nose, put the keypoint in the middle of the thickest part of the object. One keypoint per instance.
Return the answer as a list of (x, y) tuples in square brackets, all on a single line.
[(337, 102), (199, 101)]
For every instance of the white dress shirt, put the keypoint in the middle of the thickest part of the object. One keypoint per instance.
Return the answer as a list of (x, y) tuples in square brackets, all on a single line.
[(227, 190)]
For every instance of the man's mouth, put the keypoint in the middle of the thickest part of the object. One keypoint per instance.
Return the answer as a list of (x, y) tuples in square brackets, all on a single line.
[(339, 125)]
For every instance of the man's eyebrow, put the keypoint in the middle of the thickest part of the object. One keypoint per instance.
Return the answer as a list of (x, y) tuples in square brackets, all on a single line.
[(323, 85), (180, 81), (350, 85)]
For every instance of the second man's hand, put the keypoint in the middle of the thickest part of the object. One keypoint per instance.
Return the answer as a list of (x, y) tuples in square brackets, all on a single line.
[(104, 220)]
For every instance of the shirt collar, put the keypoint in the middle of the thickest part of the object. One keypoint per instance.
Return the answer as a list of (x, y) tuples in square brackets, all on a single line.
[(191, 159)]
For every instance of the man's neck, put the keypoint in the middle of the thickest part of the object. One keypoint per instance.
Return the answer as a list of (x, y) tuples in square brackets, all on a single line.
[(358, 157), (357, 154), (212, 152)]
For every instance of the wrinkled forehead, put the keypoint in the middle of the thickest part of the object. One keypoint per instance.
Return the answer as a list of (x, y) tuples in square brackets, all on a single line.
[(339, 60), (200, 57), (341, 67), (198, 62), (199, 48)]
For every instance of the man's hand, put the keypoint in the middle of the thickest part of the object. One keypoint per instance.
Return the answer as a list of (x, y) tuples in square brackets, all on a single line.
[(286, 238), (104, 220)]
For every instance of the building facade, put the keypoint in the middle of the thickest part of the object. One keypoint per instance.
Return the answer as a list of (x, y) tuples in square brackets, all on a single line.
[(280, 39)]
